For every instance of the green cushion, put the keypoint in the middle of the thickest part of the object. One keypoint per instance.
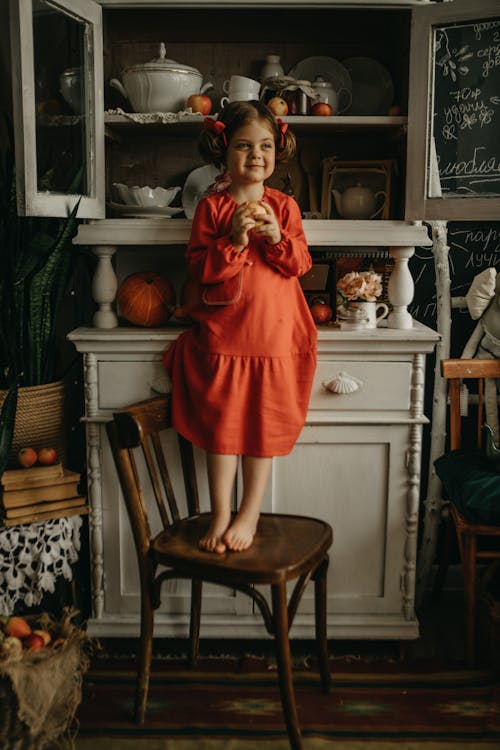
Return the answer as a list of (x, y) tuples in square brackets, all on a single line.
[(471, 484)]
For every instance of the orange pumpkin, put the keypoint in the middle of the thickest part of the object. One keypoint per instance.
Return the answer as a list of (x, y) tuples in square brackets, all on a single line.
[(146, 299)]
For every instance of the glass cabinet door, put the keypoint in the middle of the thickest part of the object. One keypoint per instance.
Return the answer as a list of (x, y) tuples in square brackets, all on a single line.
[(453, 169), (58, 106)]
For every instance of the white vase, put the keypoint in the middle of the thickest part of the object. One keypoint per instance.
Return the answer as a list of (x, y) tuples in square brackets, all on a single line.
[(272, 68), (358, 314)]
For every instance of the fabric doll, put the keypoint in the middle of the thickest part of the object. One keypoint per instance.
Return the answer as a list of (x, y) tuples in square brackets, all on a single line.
[(483, 303)]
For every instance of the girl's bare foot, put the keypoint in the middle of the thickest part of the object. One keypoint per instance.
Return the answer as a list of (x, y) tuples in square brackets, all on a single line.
[(240, 534), (212, 541)]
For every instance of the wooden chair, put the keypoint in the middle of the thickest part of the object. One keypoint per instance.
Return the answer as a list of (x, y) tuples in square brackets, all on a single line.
[(286, 548), (471, 527)]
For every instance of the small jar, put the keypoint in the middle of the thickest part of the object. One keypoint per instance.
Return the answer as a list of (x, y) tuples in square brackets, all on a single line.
[(304, 102), (272, 68), (290, 95)]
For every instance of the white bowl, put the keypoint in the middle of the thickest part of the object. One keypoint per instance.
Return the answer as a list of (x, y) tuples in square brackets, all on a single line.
[(122, 194), (145, 196)]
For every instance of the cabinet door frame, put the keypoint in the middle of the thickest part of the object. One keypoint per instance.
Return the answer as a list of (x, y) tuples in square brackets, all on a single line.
[(420, 157), (30, 200)]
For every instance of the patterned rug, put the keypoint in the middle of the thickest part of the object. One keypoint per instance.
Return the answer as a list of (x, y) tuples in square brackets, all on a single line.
[(232, 704)]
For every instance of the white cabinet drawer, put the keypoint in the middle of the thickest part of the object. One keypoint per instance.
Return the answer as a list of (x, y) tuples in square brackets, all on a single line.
[(385, 386), (123, 383)]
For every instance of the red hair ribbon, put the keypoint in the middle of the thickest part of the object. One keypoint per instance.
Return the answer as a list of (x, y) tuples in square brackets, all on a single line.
[(282, 127), (215, 126)]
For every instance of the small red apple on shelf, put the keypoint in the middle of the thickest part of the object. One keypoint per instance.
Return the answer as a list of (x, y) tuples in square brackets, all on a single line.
[(322, 109), (278, 106), (200, 103), (47, 456), (394, 110), (321, 312), (26, 457)]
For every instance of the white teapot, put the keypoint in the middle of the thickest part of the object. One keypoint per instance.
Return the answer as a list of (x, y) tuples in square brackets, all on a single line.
[(325, 92), (358, 202)]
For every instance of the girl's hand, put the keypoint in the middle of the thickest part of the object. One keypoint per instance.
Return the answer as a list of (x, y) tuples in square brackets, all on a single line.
[(270, 228), (240, 226)]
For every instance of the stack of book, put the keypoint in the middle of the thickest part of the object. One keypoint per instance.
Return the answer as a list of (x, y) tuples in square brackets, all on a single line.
[(39, 493)]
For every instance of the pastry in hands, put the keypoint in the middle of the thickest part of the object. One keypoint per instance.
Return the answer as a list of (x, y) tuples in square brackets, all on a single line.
[(255, 210)]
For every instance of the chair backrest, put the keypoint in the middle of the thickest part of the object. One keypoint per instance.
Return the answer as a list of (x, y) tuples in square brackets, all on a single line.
[(138, 427), (457, 370)]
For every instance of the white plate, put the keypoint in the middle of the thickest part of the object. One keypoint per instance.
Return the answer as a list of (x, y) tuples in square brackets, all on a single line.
[(195, 186), (331, 70), (372, 86), (145, 212)]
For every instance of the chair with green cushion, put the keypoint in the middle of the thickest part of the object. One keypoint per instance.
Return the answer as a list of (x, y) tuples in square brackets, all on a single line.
[(471, 478)]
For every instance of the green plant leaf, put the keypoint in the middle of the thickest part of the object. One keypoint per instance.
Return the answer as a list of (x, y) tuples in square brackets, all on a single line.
[(7, 423)]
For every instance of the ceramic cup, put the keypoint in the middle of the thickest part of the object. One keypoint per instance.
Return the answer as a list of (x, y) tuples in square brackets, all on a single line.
[(366, 314), (240, 89)]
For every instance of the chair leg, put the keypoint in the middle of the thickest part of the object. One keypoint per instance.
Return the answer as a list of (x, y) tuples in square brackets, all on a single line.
[(280, 618), (320, 623), (444, 558), (194, 620), (469, 567), (144, 658)]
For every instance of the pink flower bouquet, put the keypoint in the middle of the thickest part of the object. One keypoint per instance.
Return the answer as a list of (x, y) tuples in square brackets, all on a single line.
[(361, 286)]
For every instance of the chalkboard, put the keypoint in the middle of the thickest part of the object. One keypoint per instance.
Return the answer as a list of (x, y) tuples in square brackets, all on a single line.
[(466, 108), (474, 246)]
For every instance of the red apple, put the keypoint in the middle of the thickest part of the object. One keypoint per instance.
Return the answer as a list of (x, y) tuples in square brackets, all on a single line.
[(321, 108), (277, 105), (200, 103), (34, 642), (47, 456), (321, 312), (44, 635), (394, 110), (17, 627), (27, 457)]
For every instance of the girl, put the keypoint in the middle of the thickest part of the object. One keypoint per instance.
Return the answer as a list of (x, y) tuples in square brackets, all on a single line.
[(242, 376)]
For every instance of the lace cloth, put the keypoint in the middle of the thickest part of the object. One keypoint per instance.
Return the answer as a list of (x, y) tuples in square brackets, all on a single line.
[(147, 118), (32, 557)]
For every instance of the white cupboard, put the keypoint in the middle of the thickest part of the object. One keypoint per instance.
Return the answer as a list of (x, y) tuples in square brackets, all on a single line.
[(356, 464)]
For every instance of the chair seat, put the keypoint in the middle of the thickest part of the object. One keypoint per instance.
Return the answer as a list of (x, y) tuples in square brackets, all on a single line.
[(284, 548), (472, 485)]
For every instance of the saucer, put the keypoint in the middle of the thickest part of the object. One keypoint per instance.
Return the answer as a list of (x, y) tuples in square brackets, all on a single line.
[(145, 212)]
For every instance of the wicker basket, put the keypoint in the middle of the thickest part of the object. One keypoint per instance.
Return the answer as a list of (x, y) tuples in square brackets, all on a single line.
[(40, 419), (60, 669)]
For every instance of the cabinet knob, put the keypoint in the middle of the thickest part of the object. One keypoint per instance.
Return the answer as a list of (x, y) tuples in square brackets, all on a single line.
[(343, 383)]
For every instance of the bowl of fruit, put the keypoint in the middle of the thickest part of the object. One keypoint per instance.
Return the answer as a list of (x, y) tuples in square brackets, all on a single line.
[(42, 661)]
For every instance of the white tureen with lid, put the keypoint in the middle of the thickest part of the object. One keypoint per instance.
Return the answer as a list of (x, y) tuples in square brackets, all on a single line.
[(161, 85)]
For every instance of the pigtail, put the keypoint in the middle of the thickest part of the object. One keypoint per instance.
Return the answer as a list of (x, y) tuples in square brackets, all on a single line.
[(212, 146), (286, 146)]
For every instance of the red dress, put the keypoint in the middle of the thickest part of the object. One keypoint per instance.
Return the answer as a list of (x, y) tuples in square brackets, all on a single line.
[(242, 375)]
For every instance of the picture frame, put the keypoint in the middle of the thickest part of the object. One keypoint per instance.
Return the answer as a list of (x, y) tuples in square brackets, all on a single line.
[(369, 183)]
